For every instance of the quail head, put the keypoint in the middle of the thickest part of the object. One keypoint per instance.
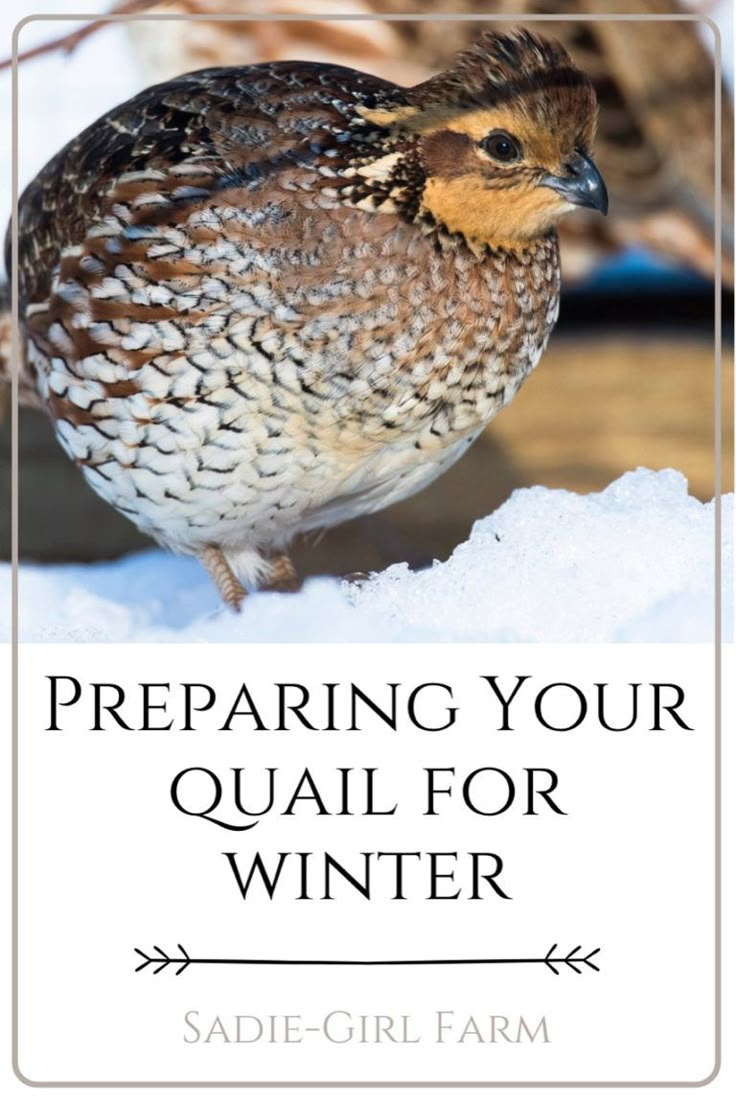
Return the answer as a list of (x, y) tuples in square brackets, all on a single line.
[(259, 301)]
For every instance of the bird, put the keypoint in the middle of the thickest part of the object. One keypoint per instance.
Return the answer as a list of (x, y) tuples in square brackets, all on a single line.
[(654, 78), (258, 301)]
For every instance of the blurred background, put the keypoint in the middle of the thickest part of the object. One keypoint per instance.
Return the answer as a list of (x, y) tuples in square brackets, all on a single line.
[(628, 379)]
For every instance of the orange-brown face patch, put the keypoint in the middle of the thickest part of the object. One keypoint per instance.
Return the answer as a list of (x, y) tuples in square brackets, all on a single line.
[(502, 218)]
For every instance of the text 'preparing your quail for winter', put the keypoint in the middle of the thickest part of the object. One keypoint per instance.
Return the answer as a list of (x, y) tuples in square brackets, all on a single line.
[(243, 798)]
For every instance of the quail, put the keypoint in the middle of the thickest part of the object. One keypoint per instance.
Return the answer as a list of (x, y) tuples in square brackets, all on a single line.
[(258, 301)]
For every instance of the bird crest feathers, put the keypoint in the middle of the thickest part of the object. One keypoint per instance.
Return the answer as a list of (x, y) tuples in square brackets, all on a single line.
[(501, 66)]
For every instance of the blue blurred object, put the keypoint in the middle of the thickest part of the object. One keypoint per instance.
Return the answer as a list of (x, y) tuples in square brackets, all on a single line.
[(637, 269)]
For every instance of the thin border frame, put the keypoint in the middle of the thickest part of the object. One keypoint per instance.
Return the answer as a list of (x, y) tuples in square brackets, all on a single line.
[(717, 489)]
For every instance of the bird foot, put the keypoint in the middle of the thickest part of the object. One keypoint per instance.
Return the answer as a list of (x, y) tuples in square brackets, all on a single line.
[(228, 585), (282, 576)]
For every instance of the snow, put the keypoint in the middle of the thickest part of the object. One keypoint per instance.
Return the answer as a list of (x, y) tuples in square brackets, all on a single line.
[(634, 563)]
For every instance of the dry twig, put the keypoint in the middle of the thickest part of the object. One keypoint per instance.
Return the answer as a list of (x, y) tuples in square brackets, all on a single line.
[(69, 42)]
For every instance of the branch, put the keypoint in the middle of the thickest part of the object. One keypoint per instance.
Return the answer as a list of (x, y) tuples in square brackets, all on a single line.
[(69, 42)]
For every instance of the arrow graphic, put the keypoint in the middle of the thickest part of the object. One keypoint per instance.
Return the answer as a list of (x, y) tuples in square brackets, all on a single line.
[(158, 960), (572, 960)]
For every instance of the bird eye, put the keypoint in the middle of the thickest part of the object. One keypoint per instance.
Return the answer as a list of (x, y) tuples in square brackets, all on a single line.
[(501, 146)]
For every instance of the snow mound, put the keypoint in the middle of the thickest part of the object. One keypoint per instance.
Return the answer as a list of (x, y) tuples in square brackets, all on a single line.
[(634, 563)]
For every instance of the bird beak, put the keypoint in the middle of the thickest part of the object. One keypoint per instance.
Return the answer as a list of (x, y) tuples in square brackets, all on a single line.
[(581, 185)]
